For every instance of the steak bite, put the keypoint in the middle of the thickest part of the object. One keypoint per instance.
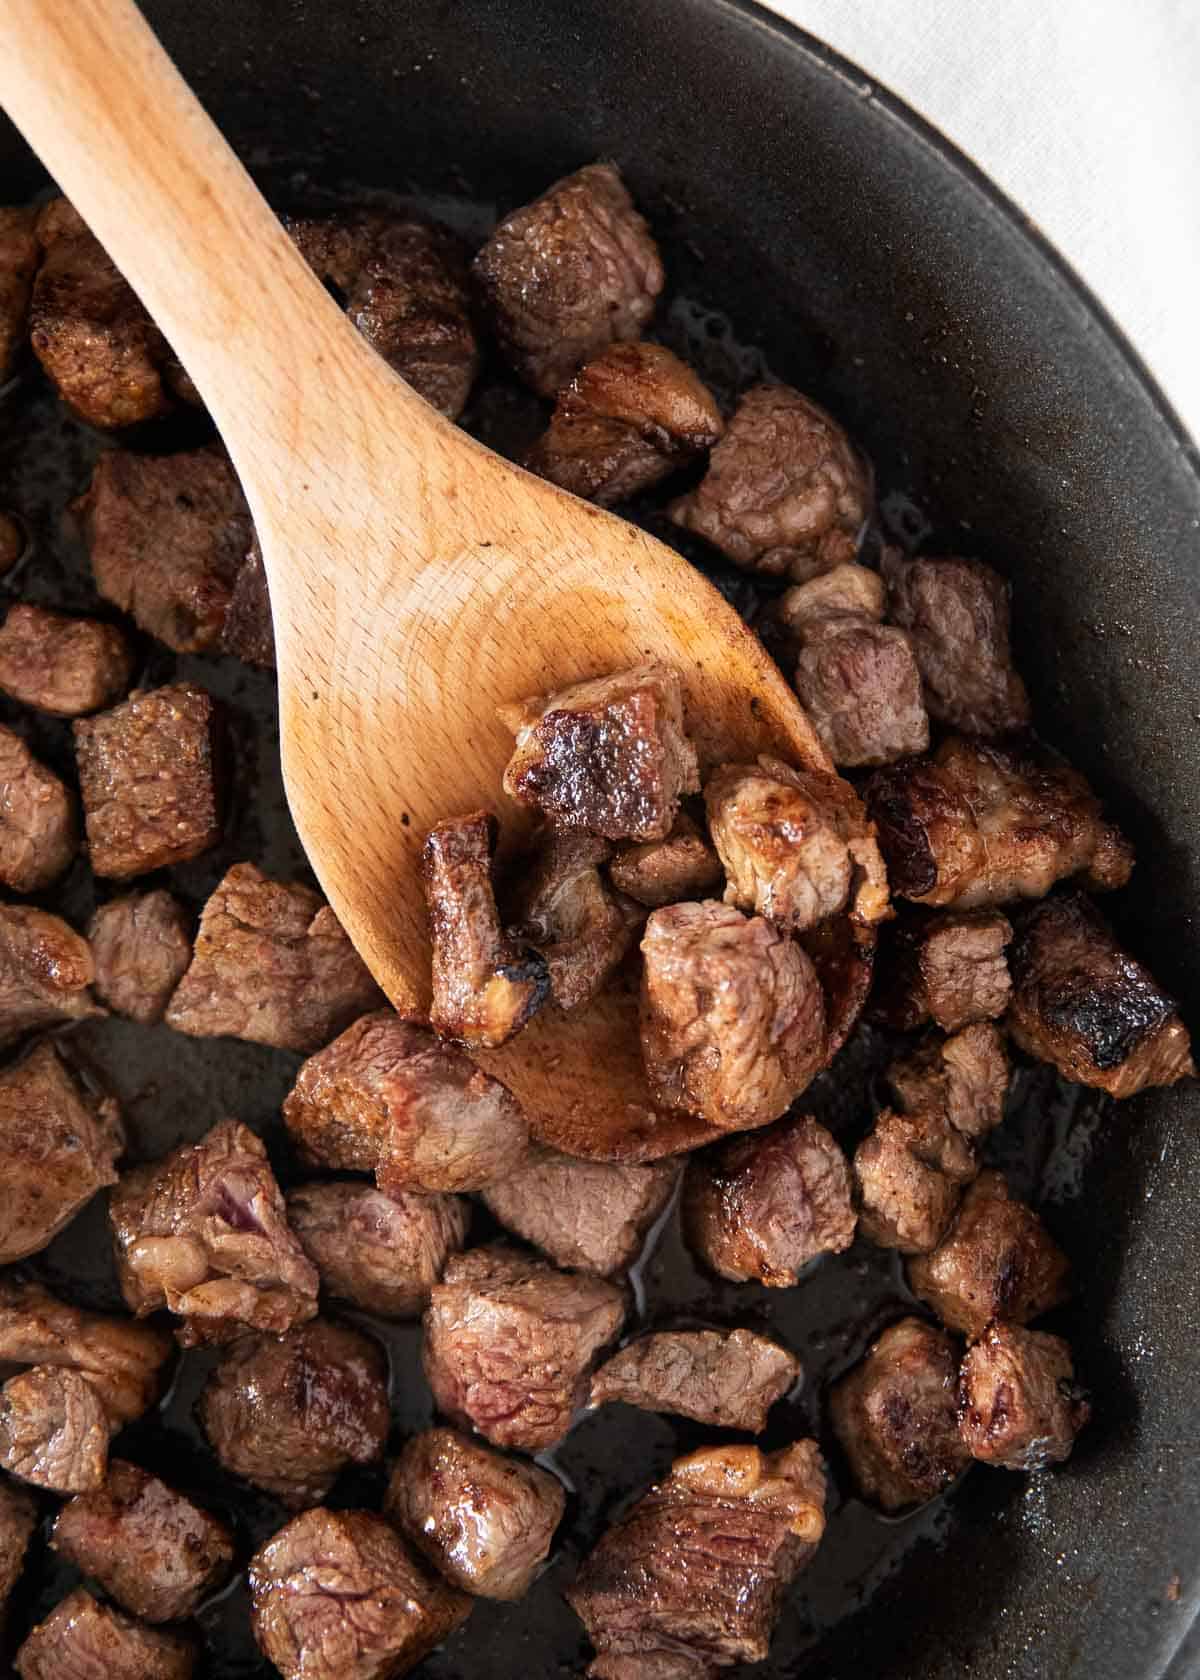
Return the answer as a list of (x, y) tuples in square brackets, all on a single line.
[(565, 909), (383, 1253), (692, 1580), (39, 828), (1082, 1003), (1019, 1404), (510, 1343), (608, 756), (19, 254), (976, 825), (485, 985), (204, 1233), (389, 1097), (956, 613), (727, 1378), (403, 283), (733, 1016), (141, 946), (123, 1361), (54, 1430), (964, 1077), (168, 536), (629, 418), (46, 973), (248, 632), (485, 1521), (950, 966), (785, 492), (910, 1171), (997, 1261), (590, 1216), (65, 666), (150, 1548), (289, 1413), (336, 1595), (660, 872), (860, 685), (18, 1517), (760, 1208), (569, 274), (150, 776), (273, 965), (58, 1144), (846, 593), (82, 1639)]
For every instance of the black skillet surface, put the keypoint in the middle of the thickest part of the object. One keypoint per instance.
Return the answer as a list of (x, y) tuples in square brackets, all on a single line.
[(863, 260)]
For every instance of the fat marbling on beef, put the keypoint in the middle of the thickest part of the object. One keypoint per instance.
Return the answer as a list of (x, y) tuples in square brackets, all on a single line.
[(383, 1253), (39, 824), (82, 1639), (1019, 1406), (660, 872), (141, 946), (567, 911), (54, 1430), (590, 1216), (19, 254), (122, 1360), (964, 1076), (727, 1378), (949, 966)]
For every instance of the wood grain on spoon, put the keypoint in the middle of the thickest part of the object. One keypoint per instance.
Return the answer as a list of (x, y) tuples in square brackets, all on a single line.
[(417, 580)]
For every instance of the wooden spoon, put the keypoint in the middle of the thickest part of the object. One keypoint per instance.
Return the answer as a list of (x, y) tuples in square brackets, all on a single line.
[(417, 580)]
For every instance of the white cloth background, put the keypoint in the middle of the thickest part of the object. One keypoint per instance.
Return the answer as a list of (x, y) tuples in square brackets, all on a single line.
[(1087, 114)]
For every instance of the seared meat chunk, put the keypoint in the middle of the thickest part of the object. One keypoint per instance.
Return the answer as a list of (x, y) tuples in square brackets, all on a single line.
[(288, 1413), (591, 1216), (58, 1143), (39, 828), (727, 1378), (150, 1548), (949, 966), (848, 593), (141, 948), (896, 1416), (660, 872), (18, 1515), (46, 973), (699, 1567), (1082, 1003), (336, 1595), (965, 1077), (510, 1343), (796, 844), (65, 666), (565, 909), (1019, 1405), (54, 1430), (248, 632), (19, 254), (122, 1361), (82, 1639), (204, 1233), (485, 985), (150, 772), (733, 1016), (760, 1208), (382, 1252), (486, 1522), (168, 536), (629, 418), (860, 685), (273, 965), (996, 1261), (976, 825), (608, 756), (388, 1097), (956, 613), (785, 492), (910, 1171), (404, 285), (569, 274)]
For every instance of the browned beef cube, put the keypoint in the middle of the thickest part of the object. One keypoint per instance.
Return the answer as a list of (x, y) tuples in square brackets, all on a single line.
[(204, 1233), (956, 613), (486, 1522), (860, 685), (54, 1430), (337, 1595), (39, 828), (142, 948), (150, 1548), (388, 1097), (950, 966), (1082, 1003), (785, 492), (65, 666), (700, 1565), (18, 1518), (608, 756), (83, 1640), (965, 1077), (976, 825), (796, 844), (123, 1361), (486, 985), (569, 274), (19, 253), (150, 775), (896, 1416), (760, 1208), (661, 872), (46, 973), (631, 417), (1019, 1405), (848, 593), (997, 1260), (733, 1016), (248, 632), (273, 965), (404, 284), (288, 1413), (510, 1343), (58, 1145), (383, 1253), (591, 1216), (727, 1378), (168, 536), (910, 1170), (567, 911)]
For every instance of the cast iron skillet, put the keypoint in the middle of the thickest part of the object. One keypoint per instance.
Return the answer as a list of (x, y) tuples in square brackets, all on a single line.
[(875, 268)]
